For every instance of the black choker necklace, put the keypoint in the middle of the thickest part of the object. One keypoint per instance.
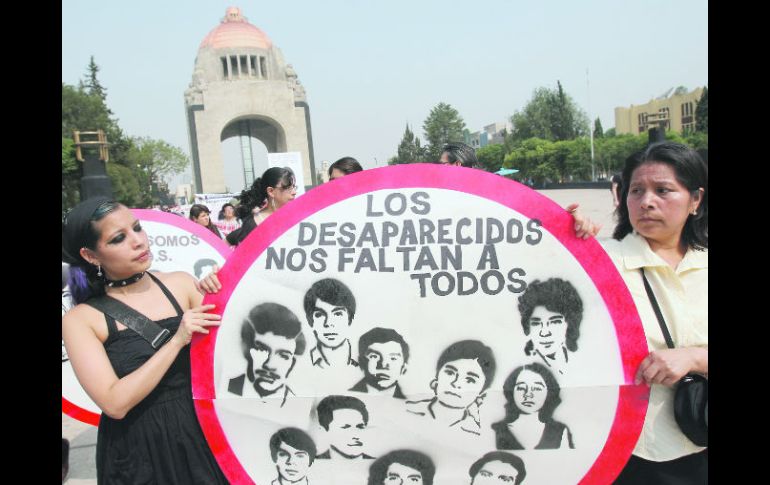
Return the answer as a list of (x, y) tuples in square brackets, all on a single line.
[(128, 281)]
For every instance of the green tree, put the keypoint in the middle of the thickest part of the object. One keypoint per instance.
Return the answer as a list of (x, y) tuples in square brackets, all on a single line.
[(610, 152), (598, 131), (155, 159), (491, 157), (443, 124), (409, 150), (534, 159), (702, 112), (697, 140), (610, 132), (551, 114), (92, 83), (126, 186)]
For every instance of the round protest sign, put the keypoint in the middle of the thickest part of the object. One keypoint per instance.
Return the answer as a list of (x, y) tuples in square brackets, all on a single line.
[(424, 323), (177, 244)]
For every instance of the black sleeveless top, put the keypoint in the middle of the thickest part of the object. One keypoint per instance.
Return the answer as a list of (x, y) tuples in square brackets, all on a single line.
[(159, 441), (550, 440)]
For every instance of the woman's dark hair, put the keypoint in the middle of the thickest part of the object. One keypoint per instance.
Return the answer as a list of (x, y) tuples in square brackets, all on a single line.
[(552, 397), (690, 171), (79, 231), (346, 165), (502, 456), (196, 210), (421, 462), (460, 151), (558, 296), (221, 215), (256, 195)]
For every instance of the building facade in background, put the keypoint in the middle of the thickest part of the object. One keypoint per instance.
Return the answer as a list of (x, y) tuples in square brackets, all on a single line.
[(675, 109), (242, 87), (493, 134)]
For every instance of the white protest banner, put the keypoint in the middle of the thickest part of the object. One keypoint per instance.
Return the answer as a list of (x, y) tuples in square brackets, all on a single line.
[(293, 160), (177, 244), (421, 321)]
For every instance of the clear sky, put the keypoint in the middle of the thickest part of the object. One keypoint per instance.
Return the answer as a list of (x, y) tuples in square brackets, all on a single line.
[(370, 67)]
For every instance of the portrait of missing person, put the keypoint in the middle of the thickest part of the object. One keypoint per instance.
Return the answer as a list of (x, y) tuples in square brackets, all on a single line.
[(203, 267), (330, 307), (383, 355), (345, 419), (497, 468), (293, 453), (551, 312), (463, 373), (532, 395), (271, 338), (402, 467)]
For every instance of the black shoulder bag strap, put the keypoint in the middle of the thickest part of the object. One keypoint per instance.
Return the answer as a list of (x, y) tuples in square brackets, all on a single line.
[(656, 308), (149, 330)]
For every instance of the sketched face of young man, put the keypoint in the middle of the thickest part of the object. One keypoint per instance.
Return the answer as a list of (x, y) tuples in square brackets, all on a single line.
[(330, 323), (292, 463), (530, 392), (548, 330), (459, 383), (496, 473), (398, 474), (272, 358), (384, 364), (346, 431)]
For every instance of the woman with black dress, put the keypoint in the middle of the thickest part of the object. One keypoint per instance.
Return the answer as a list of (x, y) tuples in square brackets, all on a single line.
[(148, 431), (533, 395)]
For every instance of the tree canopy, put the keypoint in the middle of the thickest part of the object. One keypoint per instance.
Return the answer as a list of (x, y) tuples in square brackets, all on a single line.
[(136, 165), (552, 115), (443, 124)]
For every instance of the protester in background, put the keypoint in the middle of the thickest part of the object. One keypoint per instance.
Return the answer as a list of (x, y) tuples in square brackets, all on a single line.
[(344, 166), (459, 154), (201, 214), (227, 222), (267, 194), (615, 189), (662, 233), (148, 431)]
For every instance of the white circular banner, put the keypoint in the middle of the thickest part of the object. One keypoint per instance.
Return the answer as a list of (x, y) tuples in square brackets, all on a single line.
[(425, 324), (177, 244)]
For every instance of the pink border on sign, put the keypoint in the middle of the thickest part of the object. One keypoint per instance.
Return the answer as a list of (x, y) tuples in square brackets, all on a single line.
[(186, 224), (87, 416), (632, 399)]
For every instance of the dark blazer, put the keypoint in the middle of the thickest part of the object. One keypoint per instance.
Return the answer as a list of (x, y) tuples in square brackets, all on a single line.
[(550, 440), (361, 387)]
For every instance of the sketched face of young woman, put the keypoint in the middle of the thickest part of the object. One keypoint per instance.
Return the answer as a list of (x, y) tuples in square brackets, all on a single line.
[(548, 330), (530, 392)]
